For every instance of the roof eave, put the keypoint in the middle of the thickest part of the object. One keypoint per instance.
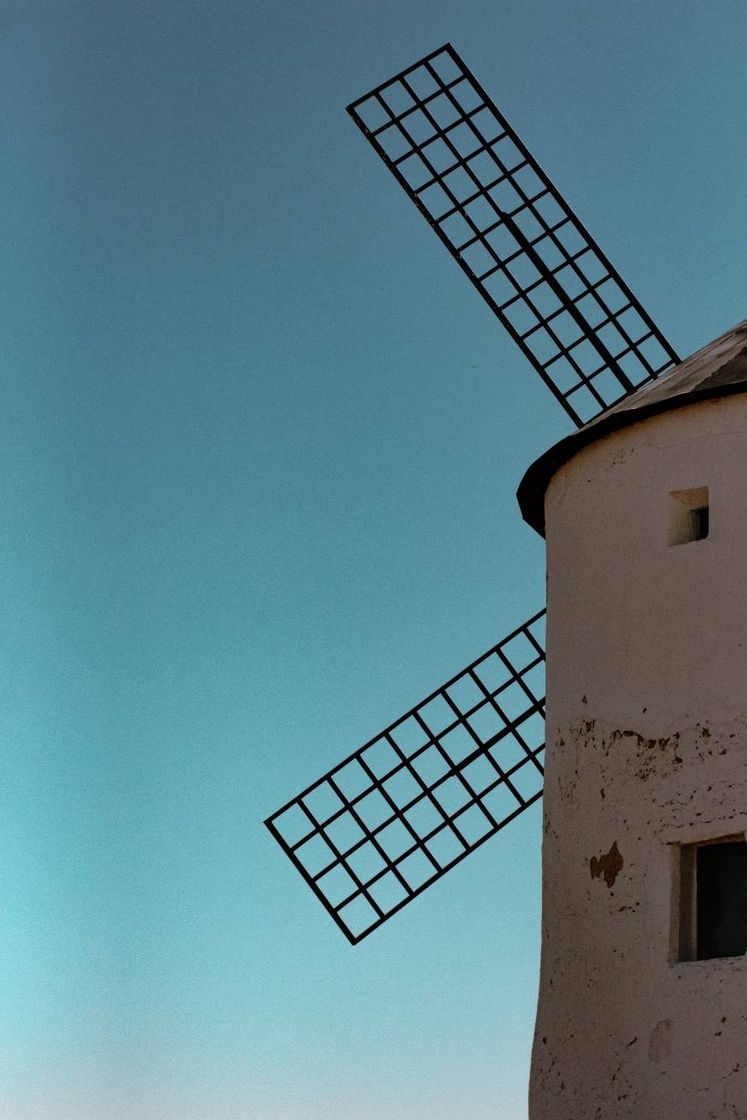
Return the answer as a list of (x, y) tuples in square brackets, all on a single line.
[(533, 486)]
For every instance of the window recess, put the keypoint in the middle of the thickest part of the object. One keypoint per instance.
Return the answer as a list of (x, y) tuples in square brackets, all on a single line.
[(712, 916), (689, 515)]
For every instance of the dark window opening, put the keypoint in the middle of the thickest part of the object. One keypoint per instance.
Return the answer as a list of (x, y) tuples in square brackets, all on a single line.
[(699, 523), (712, 913), (721, 891)]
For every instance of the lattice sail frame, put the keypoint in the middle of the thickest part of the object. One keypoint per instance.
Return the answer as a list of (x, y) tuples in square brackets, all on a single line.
[(401, 811), (513, 234)]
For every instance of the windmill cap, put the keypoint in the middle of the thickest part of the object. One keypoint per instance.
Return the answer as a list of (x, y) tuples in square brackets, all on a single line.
[(716, 370)]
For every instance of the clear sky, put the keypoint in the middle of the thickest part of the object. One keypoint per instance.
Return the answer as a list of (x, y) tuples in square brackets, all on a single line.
[(260, 441)]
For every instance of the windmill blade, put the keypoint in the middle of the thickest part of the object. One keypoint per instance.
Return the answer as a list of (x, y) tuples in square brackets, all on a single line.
[(513, 234), (401, 811)]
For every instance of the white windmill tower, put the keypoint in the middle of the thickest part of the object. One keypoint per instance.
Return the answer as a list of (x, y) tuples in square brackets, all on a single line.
[(644, 867), (643, 991)]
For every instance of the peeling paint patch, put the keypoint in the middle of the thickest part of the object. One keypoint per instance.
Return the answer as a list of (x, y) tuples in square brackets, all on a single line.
[(608, 866), (652, 756)]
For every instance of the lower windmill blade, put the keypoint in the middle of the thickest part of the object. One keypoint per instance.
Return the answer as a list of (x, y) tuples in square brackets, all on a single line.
[(513, 234), (401, 811)]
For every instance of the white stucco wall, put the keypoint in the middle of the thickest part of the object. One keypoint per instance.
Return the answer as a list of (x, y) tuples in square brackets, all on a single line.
[(647, 749)]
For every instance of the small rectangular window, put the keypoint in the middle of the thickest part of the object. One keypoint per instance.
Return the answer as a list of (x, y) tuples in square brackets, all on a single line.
[(688, 515), (713, 899)]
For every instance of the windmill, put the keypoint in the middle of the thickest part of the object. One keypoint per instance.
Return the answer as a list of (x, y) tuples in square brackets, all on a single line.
[(398, 813)]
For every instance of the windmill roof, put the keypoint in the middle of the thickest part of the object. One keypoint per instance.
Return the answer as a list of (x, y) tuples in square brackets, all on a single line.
[(716, 370)]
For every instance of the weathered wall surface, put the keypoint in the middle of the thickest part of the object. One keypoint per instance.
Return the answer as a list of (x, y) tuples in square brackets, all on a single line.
[(647, 749)]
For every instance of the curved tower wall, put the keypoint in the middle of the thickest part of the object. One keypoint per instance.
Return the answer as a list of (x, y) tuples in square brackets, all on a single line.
[(647, 752)]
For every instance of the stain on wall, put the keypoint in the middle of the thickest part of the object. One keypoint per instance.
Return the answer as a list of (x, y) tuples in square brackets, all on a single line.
[(660, 1043), (608, 866)]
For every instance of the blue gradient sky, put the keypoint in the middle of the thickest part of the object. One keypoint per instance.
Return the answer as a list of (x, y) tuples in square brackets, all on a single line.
[(259, 446)]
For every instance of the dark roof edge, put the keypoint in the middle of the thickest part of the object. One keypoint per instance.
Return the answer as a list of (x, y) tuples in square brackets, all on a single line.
[(531, 491)]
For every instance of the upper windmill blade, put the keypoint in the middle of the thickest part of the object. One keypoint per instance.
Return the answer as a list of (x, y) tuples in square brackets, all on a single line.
[(513, 234), (398, 813)]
